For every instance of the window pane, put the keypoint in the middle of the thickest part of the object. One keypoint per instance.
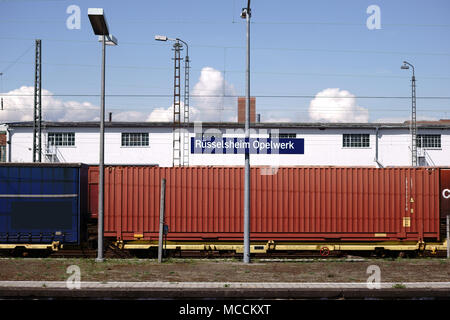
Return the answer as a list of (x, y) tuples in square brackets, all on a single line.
[(134, 139), (61, 139), (356, 140), (429, 141)]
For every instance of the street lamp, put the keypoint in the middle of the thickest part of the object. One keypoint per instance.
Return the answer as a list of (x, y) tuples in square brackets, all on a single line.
[(413, 124), (177, 46), (100, 27), (246, 14), (186, 64)]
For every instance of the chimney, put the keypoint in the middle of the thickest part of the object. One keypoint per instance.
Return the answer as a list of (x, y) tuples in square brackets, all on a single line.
[(110, 116), (241, 109)]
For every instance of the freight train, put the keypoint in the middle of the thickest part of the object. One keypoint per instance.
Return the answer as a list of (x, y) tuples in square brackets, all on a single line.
[(325, 210)]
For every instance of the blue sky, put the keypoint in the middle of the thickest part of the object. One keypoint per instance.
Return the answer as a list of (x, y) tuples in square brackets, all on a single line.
[(299, 48)]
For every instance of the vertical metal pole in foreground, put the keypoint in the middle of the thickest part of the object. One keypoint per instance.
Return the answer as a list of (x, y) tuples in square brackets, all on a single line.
[(161, 219), (247, 152), (37, 117), (448, 236), (101, 170)]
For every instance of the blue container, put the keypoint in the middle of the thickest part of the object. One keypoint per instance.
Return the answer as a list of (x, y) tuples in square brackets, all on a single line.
[(42, 203)]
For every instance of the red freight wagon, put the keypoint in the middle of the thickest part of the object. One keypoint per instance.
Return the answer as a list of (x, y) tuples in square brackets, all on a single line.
[(294, 204)]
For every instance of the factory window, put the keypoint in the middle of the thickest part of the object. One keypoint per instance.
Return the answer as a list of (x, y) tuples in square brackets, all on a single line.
[(283, 135), (62, 139), (135, 139), (356, 140), (430, 141)]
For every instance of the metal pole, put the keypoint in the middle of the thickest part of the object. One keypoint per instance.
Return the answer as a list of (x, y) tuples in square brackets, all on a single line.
[(161, 219), (101, 170), (448, 236), (37, 132), (247, 152), (40, 105), (413, 120)]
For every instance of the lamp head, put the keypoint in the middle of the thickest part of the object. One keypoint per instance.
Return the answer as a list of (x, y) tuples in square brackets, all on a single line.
[(245, 12), (98, 21), (161, 38), (404, 67), (110, 40)]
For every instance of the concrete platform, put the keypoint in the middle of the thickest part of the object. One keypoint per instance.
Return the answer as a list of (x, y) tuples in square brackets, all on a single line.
[(221, 290)]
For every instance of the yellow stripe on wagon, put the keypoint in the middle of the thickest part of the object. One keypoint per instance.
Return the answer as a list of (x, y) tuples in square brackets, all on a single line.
[(264, 247)]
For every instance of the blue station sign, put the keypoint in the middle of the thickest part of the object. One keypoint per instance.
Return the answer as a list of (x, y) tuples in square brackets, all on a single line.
[(232, 145)]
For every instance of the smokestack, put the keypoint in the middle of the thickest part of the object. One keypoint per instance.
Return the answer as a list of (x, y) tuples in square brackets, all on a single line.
[(241, 109), (258, 118), (110, 116)]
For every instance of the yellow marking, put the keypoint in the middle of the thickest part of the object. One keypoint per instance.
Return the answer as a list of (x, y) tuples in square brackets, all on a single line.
[(406, 222), (55, 246), (380, 235)]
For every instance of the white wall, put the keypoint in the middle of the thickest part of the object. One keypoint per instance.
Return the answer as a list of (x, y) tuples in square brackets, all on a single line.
[(322, 147), (86, 149)]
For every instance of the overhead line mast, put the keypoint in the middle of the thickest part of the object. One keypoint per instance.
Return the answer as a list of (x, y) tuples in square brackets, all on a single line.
[(37, 117), (177, 106)]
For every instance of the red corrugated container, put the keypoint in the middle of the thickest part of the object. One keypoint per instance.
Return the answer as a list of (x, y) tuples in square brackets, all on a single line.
[(299, 203)]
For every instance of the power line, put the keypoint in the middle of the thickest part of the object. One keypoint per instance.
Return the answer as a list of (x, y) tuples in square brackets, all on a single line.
[(17, 60), (216, 22), (232, 96), (255, 48), (354, 75)]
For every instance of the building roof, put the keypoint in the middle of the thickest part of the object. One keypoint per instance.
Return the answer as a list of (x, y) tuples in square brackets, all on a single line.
[(441, 124)]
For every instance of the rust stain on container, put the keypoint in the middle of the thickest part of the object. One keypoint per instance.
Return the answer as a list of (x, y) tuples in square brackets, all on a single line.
[(299, 203)]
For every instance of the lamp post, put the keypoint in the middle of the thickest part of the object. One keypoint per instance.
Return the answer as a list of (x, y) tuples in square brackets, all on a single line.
[(1, 89), (100, 27), (177, 105), (413, 124), (246, 14)]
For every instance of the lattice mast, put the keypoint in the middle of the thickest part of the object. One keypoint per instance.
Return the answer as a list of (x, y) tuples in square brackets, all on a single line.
[(37, 133), (186, 110), (177, 106), (413, 123)]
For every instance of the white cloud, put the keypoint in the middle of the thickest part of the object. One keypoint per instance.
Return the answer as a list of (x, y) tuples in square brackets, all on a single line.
[(335, 105), (211, 103), (166, 114), (18, 105), (208, 105)]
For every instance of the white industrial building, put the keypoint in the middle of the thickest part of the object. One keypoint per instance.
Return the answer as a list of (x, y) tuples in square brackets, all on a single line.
[(330, 144)]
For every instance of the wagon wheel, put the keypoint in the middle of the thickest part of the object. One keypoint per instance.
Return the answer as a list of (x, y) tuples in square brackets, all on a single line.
[(324, 251)]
